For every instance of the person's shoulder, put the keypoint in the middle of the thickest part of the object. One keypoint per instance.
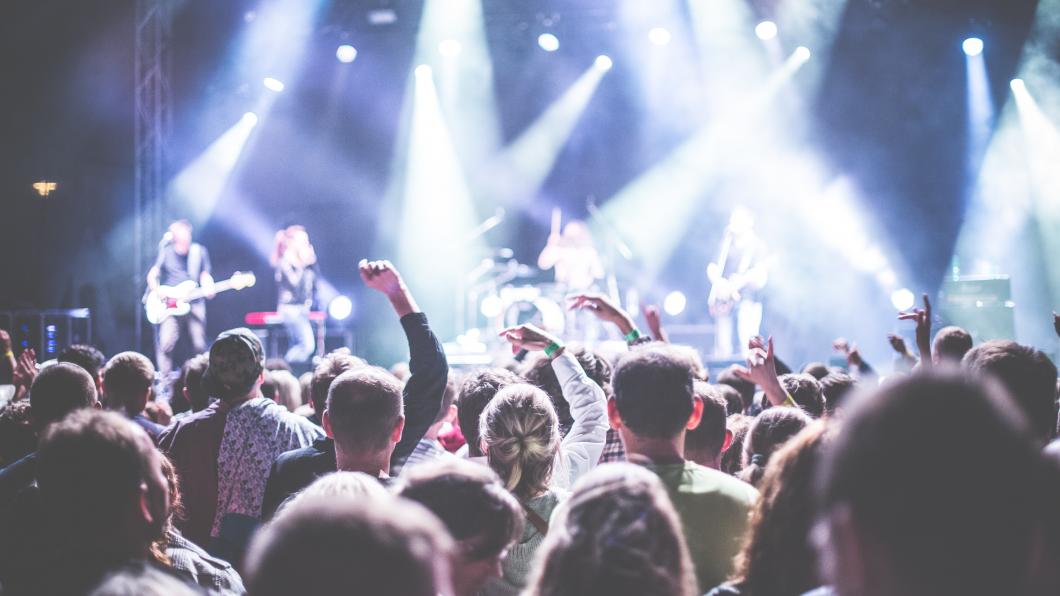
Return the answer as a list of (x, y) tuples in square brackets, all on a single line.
[(704, 479), (187, 424), (301, 456)]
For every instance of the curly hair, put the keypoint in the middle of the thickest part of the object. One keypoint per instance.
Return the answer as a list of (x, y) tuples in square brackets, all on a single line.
[(618, 535), (521, 436), (777, 558)]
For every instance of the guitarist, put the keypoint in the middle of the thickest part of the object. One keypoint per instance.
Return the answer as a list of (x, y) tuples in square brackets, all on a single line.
[(737, 276), (179, 260)]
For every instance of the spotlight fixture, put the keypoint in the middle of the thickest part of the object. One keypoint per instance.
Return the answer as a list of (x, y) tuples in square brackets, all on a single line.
[(766, 30), (973, 46), (340, 308), (1018, 85), (346, 53), (603, 62), (423, 71), (548, 42), (250, 119), (903, 299), (674, 303), (273, 84), (802, 53)]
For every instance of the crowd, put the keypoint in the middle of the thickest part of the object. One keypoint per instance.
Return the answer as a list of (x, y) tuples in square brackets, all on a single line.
[(562, 472)]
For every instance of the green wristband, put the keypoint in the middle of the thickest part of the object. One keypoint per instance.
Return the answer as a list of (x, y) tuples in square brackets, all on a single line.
[(633, 335), (552, 348)]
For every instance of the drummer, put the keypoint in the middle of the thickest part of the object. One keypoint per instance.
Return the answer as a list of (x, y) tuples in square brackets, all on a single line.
[(577, 266)]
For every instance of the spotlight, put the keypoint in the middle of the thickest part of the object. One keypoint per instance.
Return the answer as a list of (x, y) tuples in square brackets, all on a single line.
[(674, 303), (423, 71), (659, 36), (492, 306), (346, 53), (766, 30), (340, 308), (902, 299), (973, 46), (1018, 85), (450, 48), (548, 42), (802, 53), (273, 84), (603, 62), (250, 118)]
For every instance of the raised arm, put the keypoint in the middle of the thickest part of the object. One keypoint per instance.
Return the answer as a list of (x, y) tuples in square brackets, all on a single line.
[(584, 442), (427, 364), (762, 371), (922, 316), (608, 312)]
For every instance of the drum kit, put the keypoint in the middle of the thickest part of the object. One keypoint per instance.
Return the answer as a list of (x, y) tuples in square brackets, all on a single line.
[(501, 293)]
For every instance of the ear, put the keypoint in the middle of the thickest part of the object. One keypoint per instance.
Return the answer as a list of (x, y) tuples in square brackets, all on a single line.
[(612, 414), (187, 394), (727, 442), (97, 405), (697, 413), (399, 427), (145, 505), (325, 421), (450, 417)]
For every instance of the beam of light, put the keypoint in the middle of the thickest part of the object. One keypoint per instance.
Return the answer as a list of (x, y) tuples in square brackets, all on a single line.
[(522, 167), (452, 41), (980, 113), (816, 24), (659, 36), (437, 214), (196, 189), (653, 210), (730, 57)]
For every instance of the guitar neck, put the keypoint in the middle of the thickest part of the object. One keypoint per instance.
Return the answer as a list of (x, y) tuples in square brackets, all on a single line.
[(217, 288)]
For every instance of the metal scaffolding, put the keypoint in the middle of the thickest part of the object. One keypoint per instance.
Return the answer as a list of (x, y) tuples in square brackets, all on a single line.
[(153, 125)]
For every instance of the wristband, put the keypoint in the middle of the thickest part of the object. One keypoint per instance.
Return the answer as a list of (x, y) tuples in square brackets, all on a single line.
[(552, 348), (9, 354), (632, 336)]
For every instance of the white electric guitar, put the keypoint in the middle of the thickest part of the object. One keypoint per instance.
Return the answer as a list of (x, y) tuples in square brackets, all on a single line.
[(174, 301)]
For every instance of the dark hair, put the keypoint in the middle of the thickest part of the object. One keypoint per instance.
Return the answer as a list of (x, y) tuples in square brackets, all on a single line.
[(950, 506), (127, 380), (817, 370), (540, 373), (835, 388), (732, 397), (709, 436), (1027, 374), (768, 433), (806, 392), (86, 356), (653, 392), (476, 391), (448, 395), (58, 390), (18, 437), (732, 459), (745, 388), (481, 516), (778, 557), (191, 380), (363, 406), (329, 367), (951, 344), (90, 468), (342, 544)]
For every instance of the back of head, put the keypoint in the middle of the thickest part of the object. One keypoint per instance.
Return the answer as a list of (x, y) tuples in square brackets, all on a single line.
[(331, 366), (653, 392), (60, 389), (768, 433), (1027, 374), (482, 517), (708, 438), (732, 459), (337, 484), (86, 356), (942, 508), (363, 407), (951, 344), (806, 391), (127, 380), (745, 388), (817, 370), (191, 381), (732, 397), (288, 391), (835, 388), (477, 389), (540, 373), (90, 470), (777, 557), (344, 545), (236, 364), (617, 534), (521, 436)]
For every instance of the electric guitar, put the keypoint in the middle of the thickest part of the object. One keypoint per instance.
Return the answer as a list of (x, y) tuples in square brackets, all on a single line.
[(175, 301)]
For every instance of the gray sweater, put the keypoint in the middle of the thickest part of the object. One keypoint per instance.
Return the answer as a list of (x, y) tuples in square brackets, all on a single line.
[(520, 559)]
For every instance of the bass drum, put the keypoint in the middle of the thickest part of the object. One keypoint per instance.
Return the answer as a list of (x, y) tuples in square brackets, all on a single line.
[(528, 304)]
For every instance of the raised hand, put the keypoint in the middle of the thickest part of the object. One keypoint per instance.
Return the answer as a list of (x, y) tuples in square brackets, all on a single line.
[(605, 310), (922, 316), (898, 344), (528, 337), (762, 370), (25, 369), (654, 320), (383, 277)]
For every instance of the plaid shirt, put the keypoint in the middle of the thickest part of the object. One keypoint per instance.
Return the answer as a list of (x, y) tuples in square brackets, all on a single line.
[(613, 449), (211, 573)]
